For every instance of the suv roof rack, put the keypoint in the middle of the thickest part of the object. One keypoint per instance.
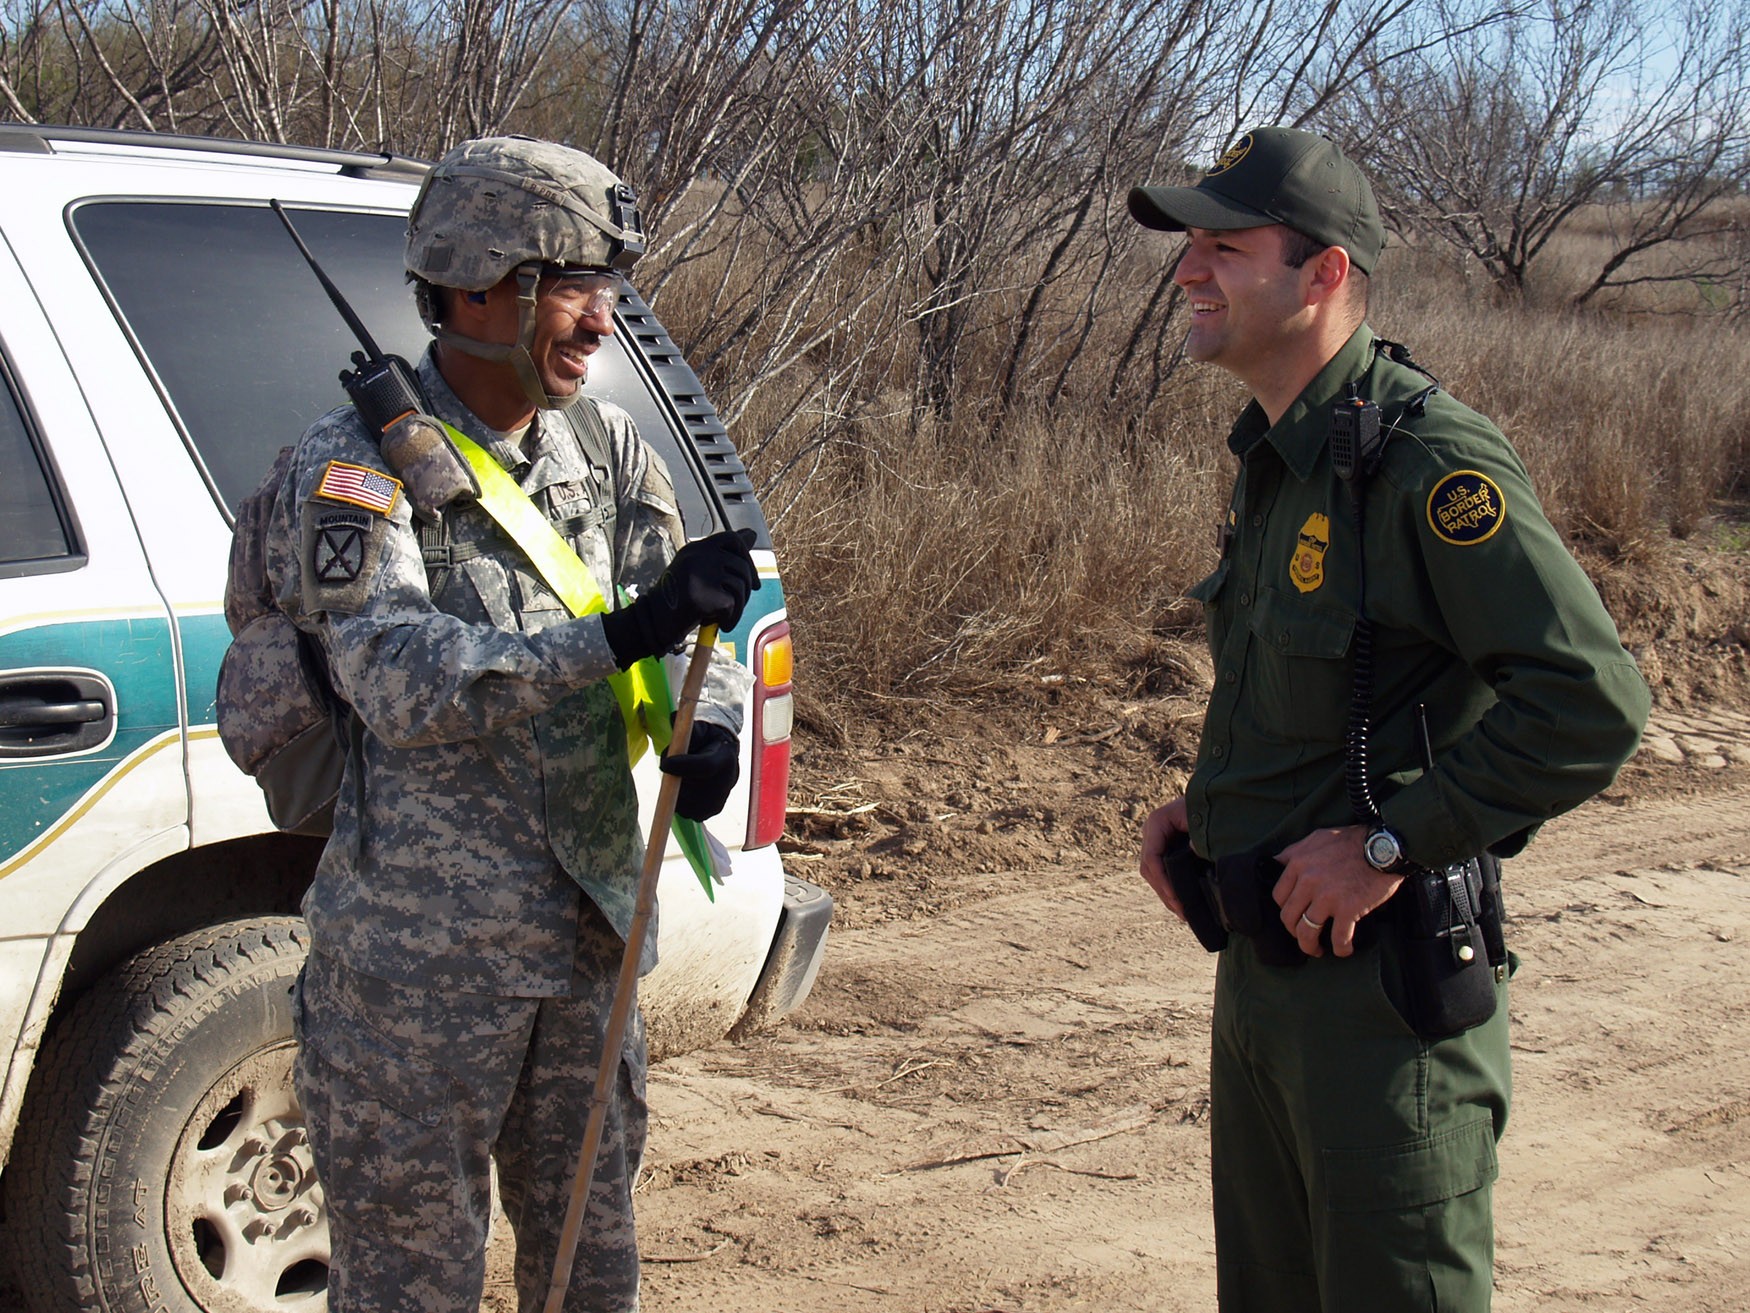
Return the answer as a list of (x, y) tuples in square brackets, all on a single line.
[(39, 138)]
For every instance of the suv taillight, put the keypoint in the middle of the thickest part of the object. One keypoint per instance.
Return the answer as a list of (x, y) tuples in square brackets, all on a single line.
[(773, 711)]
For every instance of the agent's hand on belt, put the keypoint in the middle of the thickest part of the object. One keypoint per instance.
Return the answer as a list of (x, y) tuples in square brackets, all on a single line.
[(1325, 878)]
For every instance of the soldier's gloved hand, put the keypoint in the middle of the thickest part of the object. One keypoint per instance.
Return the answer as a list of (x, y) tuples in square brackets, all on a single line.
[(707, 583), (708, 770)]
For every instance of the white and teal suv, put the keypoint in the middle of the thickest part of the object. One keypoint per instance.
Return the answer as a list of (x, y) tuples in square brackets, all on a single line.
[(160, 339)]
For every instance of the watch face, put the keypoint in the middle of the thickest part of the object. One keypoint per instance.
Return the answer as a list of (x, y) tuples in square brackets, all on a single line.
[(1382, 849)]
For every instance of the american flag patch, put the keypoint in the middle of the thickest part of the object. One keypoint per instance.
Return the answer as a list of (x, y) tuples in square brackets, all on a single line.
[(359, 485)]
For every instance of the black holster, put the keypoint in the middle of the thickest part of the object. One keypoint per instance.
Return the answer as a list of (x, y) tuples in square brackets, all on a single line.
[(1190, 878)]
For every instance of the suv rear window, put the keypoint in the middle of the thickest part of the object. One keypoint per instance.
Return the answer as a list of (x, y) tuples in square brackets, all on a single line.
[(234, 328), (243, 343)]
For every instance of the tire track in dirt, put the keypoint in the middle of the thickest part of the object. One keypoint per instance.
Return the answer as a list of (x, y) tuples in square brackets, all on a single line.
[(1627, 1173), (971, 1053)]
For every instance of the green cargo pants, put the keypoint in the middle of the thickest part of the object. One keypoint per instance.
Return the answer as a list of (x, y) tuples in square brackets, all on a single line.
[(1352, 1161)]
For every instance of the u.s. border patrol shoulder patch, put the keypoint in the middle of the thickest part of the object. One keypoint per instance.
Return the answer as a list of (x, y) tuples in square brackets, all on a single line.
[(1466, 508)]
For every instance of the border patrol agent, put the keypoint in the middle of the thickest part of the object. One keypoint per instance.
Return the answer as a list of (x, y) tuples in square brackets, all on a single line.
[(469, 911), (1352, 1156)]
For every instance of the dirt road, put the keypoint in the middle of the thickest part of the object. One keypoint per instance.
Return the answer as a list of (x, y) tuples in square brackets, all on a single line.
[(1002, 1106), (996, 1098)]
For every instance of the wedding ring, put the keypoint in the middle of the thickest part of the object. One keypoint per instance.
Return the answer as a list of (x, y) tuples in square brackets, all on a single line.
[(1311, 924)]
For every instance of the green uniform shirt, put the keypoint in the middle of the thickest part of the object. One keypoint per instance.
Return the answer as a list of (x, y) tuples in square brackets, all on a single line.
[(1479, 614)]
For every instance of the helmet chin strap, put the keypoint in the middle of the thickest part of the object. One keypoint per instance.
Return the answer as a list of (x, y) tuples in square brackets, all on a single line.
[(517, 353)]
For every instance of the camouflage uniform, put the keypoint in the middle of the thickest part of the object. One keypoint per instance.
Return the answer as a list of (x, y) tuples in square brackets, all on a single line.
[(459, 983)]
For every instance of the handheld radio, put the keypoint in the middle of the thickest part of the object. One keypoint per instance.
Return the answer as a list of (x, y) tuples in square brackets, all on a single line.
[(386, 394), (380, 385), (1356, 439)]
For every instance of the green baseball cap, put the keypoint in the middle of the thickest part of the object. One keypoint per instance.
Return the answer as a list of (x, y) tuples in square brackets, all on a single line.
[(1275, 175)]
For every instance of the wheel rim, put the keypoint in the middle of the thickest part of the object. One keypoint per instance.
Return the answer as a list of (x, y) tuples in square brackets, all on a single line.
[(244, 1212)]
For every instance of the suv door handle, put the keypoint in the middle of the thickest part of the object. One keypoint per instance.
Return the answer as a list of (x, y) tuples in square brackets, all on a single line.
[(28, 713), (50, 712)]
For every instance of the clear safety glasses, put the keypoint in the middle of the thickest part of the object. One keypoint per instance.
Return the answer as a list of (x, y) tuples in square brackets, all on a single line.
[(586, 292)]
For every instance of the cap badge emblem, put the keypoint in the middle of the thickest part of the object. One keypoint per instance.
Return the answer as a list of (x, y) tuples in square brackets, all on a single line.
[(1232, 155)]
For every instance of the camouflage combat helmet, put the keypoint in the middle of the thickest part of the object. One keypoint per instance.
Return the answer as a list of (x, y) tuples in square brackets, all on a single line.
[(511, 205)]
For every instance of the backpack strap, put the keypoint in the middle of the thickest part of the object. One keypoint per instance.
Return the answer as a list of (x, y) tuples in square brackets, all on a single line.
[(585, 417), (438, 553)]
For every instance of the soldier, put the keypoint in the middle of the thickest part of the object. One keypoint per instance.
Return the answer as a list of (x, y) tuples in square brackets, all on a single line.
[(1353, 1145), (468, 915)]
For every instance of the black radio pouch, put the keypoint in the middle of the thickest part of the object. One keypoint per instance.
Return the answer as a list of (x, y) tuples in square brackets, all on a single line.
[(1449, 923)]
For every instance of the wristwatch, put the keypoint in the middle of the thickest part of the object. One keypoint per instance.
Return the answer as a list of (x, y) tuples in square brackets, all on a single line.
[(1384, 851)]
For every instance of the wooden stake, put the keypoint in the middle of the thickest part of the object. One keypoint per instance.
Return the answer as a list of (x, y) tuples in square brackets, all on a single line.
[(626, 990)]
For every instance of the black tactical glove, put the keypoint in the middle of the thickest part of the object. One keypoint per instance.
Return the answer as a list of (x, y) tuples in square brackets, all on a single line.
[(707, 583), (708, 770)]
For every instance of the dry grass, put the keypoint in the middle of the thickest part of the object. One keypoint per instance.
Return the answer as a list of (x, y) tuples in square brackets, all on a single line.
[(937, 555), (928, 557)]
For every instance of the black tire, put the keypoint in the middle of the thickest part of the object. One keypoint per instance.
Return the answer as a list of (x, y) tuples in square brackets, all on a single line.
[(161, 1164)]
